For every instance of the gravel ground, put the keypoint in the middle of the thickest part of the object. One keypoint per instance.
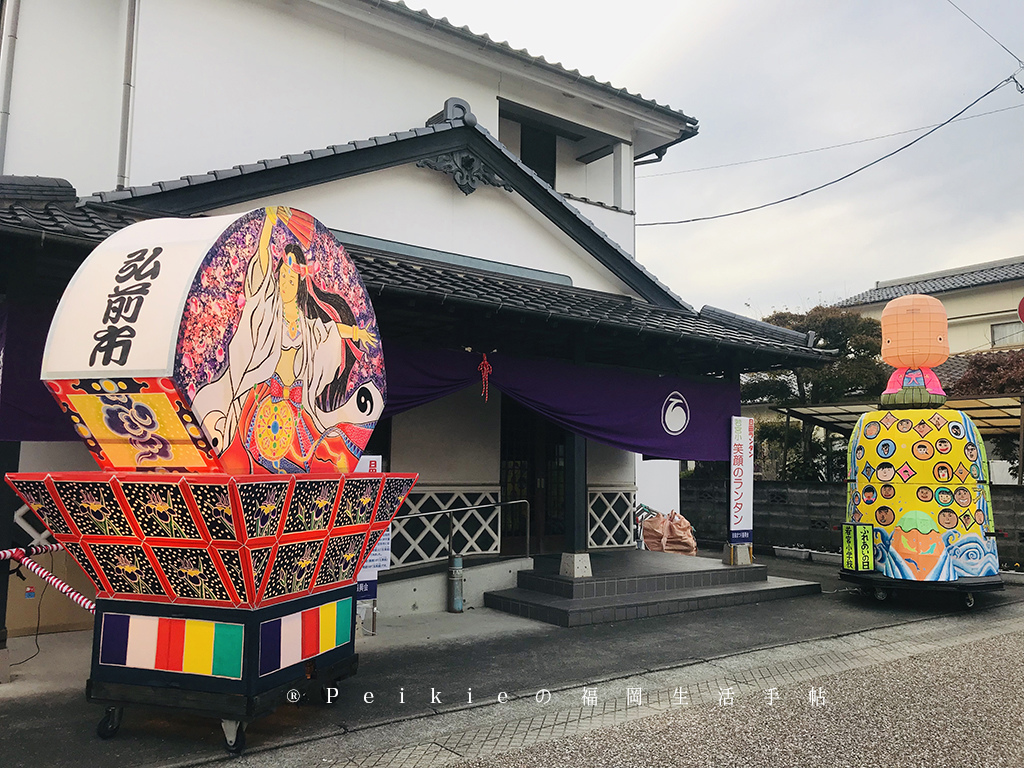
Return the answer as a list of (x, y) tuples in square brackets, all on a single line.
[(956, 707)]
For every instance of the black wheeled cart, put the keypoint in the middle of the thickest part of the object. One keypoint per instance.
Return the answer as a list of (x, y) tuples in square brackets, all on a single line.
[(230, 664)]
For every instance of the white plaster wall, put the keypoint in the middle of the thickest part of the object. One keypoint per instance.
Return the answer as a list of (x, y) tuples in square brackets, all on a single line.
[(601, 180), (510, 134), (235, 81), (609, 466), (657, 483), (56, 457), (66, 92), (454, 440), (424, 207), (618, 225), (570, 175)]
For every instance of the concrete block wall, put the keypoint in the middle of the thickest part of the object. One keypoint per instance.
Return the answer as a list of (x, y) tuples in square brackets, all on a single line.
[(810, 515)]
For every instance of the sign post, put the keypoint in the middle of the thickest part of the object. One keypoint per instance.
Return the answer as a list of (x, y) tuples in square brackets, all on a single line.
[(738, 551), (379, 559)]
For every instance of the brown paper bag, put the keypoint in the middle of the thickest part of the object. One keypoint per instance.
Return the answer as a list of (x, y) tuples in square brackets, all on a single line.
[(654, 532), (679, 536)]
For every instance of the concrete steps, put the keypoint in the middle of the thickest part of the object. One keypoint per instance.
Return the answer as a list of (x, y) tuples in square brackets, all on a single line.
[(567, 602)]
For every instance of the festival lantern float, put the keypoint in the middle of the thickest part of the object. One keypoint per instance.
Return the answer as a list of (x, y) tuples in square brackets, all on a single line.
[(226, 374), (919, 509)]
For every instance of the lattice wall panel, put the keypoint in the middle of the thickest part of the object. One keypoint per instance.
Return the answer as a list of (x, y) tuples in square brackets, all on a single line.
[(424, 539), (610, 518)]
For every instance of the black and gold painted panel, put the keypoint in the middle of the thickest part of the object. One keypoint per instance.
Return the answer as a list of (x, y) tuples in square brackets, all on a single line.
[(93, 508), (191, 573), (293, 568), (160, 510), (357, 498)]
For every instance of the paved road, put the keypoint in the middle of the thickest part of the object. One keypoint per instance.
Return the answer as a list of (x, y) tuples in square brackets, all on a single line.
[(51, 724)]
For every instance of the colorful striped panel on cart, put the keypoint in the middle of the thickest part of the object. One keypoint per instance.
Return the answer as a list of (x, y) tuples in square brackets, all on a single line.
[(191, 646), (305, 634)]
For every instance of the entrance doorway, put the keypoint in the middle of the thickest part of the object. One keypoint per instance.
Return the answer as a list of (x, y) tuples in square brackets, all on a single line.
[(532, 468)]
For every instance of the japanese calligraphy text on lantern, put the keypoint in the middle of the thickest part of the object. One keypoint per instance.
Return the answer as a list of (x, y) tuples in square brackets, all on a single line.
[(131, 287), (741, 480), (119, 316)]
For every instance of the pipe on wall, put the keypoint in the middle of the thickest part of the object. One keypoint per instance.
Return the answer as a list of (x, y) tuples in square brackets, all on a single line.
[(12, 10), (127, 93)]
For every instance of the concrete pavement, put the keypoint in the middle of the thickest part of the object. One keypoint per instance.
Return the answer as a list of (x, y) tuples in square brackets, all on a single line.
[(420, 670)]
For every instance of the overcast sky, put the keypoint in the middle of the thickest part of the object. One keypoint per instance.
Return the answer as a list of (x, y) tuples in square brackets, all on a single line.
[(774, 77)]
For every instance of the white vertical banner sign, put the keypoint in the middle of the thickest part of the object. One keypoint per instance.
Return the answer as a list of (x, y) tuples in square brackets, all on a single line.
[(741, 481)]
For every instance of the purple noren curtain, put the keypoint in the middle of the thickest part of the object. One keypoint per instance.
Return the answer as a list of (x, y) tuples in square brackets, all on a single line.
[(27, 409), (660, 416)]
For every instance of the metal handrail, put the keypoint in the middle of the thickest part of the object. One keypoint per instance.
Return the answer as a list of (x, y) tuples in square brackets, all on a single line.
[(451, 526)]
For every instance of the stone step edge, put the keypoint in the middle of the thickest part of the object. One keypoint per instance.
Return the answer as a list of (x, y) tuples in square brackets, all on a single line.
[(531, 597)]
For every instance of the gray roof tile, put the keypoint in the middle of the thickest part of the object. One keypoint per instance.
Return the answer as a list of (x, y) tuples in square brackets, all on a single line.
[(970, 277), (574, 76), (381, 271)]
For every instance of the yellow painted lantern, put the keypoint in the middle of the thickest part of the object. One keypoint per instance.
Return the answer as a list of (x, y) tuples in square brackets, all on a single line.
[(918, 476)]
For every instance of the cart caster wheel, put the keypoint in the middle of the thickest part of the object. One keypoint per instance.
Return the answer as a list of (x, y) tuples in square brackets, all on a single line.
[(969, 600), (111, 723), (881, 595), (234, 736)]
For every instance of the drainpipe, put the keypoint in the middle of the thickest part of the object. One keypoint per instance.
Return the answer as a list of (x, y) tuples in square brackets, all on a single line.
[(127, 93), (12, 10)]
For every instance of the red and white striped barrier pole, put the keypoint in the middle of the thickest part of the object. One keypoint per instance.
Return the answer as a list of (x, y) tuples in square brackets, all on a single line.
[(23, 557), (8, 554)]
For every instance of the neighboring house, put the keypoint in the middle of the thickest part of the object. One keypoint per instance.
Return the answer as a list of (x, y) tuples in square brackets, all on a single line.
[(981, 302), (507, 227)]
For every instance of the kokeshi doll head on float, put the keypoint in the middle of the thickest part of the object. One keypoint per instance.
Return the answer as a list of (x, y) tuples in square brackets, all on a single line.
[(919, 509), (226, 374)]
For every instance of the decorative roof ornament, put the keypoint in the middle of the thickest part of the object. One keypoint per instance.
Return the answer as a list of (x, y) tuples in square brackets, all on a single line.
[(468, 171)]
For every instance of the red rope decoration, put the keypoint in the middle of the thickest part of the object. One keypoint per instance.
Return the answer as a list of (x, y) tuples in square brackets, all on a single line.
[(485, 371)]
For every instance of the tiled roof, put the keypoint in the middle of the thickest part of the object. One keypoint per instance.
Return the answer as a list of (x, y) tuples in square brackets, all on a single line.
[(126, 196), (195, 180), (969, 277), (382, 272), (951, 371), (574, 76), (42, 205)]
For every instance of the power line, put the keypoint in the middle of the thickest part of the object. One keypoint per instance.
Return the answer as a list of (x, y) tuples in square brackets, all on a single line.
[(822, 149), (1011, 79), (986, 32)]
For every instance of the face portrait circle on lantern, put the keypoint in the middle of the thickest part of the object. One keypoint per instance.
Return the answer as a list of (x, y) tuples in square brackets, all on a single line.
[(886, 449), (885, 516), (923, 450), (947, 518), (942, 445), (924, 493), (944, 496), (871, 430), (885, 472)]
